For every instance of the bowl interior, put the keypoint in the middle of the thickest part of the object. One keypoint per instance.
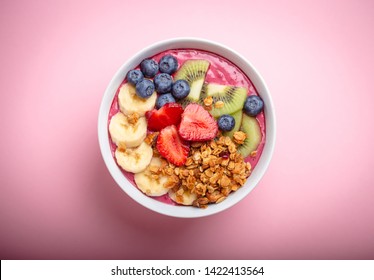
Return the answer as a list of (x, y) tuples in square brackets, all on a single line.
[(259, 170)]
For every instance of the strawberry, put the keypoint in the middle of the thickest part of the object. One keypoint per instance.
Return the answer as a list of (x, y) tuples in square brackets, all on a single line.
[(169, 114), (171, 146), (197, 124)]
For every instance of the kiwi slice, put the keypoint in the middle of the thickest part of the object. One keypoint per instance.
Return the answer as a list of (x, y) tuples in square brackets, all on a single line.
[(251, 128), (238, 121), (233, 98), (193, 71)]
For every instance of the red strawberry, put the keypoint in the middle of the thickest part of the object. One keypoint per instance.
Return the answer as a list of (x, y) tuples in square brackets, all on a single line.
[(171, 146), (197, 124), (168, 114)]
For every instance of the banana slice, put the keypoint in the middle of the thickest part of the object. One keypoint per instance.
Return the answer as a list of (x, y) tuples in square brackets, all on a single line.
[(149, 185), (129, 102), (187, 198), (134, 159), (125, 134)]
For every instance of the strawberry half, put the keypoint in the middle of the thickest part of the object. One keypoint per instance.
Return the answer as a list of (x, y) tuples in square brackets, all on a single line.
[(169, 114), (197, 124), (171, 146)]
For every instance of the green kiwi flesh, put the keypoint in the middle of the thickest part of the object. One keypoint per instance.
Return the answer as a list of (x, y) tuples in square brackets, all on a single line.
[(232, 97), (251, 128), (194, 72), (238, 121)]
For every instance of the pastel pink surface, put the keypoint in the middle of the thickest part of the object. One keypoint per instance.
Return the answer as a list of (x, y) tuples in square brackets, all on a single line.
[(58, 200)]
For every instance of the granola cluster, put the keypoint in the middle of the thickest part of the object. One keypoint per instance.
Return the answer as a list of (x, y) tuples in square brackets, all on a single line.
[(209, 103), (213, 170), (133, 118)]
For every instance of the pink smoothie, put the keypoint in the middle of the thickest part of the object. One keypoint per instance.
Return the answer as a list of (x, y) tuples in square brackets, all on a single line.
[(221, 71)]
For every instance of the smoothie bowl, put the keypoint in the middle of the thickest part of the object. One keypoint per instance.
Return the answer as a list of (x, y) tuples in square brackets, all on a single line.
[(187, 127)]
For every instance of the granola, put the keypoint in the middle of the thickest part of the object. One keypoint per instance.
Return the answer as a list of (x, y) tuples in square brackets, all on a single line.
[(239, 137), (133, 118), (219, 104), (212, 171), (208, 103)]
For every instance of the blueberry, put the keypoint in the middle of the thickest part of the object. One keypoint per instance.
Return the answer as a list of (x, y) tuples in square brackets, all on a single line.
[(180, 89), (226, 122), (149, 67), (163, 99), (253, 105), (168, 64), (163, 83), (134, 76), (145, 88)]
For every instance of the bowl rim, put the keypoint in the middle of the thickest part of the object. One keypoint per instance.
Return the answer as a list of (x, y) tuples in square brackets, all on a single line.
[(270, 123)]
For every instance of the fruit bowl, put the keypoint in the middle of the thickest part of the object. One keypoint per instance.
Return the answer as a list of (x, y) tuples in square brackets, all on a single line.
[(105, 140)]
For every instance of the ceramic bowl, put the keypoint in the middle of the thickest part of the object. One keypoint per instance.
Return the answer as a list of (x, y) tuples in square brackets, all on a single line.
[(176, 210)]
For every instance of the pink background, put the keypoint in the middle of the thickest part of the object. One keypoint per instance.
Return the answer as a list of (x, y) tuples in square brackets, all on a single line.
[(57, 198)]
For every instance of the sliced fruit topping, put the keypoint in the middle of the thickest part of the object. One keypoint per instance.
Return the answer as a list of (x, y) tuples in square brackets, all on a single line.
[(213, 88), (130, 102), (149, 67), (171, 146), (251, 128), (226, 122), (163, 83), (168, 64), (134, 76), (238, 121), (253, 105), (125, 132), (226, 99), (169, 114), (134, 159), (180, 89), (184, 198), (164, 99), (197, 124), (145, 88), (193, 71), (151, 181)]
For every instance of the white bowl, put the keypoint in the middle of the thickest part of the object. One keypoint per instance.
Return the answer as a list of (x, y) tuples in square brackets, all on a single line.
[(187, 211)]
